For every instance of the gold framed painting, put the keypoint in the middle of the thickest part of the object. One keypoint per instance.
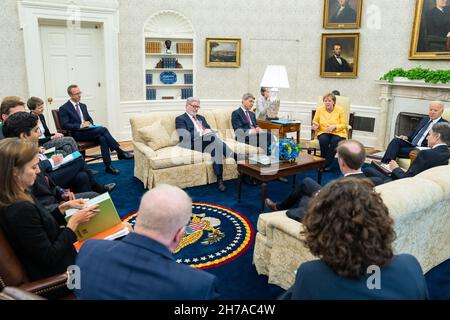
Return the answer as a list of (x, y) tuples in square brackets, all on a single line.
[(223, 52), (342, 14), (430, 39), (339, 55)]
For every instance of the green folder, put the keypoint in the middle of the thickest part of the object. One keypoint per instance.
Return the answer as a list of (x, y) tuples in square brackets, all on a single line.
[(103, 220)]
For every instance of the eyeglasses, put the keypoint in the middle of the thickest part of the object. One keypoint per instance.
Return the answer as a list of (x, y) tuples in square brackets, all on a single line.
[(76, 93), (195, 106)]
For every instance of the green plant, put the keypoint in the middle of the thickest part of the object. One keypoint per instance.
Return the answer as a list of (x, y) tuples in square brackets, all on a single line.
[(419, 73)]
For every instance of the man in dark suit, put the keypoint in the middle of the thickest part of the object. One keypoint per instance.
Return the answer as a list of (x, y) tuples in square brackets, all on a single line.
[(245, 127), (141, 266), (336, 63), (351, 156), (437, 155), (74, 116), (401, 146), (344, 14), (438, 20), (195, 133)]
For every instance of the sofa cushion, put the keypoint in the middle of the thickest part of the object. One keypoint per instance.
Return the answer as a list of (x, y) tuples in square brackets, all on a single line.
[(176, 156), (155, 136)]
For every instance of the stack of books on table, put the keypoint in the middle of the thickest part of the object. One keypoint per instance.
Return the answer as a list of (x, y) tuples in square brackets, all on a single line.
[(106, 224)]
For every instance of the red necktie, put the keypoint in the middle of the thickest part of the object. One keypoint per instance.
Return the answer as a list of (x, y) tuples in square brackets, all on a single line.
[(199, 124), (248, 119), (77, 107)]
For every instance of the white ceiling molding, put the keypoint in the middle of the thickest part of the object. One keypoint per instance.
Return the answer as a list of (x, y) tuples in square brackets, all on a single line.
[(168, 23)]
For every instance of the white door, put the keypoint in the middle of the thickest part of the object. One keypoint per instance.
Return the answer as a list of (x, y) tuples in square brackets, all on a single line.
[(73, 56)]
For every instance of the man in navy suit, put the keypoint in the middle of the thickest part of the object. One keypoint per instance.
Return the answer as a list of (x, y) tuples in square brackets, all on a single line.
[(245, 127), (438, 155), (195, 134), (74, 116), (141, 266), (351, 156), (402, 146)]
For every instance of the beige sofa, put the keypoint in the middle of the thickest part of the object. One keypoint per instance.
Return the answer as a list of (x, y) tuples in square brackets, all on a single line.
[(159, 160), (420, 207)]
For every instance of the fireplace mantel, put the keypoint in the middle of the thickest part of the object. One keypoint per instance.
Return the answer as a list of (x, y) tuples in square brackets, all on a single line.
[(396, 97)]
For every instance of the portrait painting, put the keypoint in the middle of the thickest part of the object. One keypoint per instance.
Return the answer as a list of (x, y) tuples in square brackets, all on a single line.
[(339, 56), (223, 52), (342, 14), (430, 39)]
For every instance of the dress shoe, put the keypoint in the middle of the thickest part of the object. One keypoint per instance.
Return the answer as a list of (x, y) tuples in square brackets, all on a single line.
[(283, 179), (327, 169), (102, 188), (271, 205), (220, 185), (111, 169), (123, 155), (93, 172)]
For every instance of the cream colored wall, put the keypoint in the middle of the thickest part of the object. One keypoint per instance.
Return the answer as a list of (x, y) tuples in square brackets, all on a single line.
[(13, 78), (272, 31)]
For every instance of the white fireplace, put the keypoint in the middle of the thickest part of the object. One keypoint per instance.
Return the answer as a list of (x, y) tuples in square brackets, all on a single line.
[(399, 97)]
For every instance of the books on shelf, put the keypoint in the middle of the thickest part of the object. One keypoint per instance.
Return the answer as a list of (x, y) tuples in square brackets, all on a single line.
[(188, 78), (148, 78), (152, 47), (170, 63), (66, 160), (184, 47), (106, 224), (186, 93), (150, 94)]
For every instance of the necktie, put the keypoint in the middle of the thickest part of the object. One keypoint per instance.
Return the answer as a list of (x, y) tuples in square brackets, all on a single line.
[(77, 107), (199, 123), (249, 120), (419, 135)]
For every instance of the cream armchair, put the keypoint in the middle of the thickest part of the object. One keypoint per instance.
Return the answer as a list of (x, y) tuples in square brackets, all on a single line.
[(344, 102)]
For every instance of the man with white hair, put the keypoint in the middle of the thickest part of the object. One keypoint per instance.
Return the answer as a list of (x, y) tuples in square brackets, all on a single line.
[(401, 146), (141, 266)]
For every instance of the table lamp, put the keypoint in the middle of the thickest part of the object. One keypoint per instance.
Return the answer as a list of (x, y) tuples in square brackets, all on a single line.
[(275, 76)]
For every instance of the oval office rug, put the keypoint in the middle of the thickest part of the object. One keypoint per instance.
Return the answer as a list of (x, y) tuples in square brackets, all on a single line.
[(215, 235)]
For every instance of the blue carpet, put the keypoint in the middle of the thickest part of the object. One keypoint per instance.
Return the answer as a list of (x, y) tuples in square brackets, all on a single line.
[(238, 278)]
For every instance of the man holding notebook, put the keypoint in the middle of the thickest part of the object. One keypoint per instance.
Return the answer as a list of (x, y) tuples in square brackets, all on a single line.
[(402, 145), (437, 154)]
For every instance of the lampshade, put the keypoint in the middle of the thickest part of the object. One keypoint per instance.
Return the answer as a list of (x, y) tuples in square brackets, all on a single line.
[(275, 77)]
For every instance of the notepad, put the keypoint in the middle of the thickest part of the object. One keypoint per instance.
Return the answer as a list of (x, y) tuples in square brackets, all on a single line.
[(67, 159)]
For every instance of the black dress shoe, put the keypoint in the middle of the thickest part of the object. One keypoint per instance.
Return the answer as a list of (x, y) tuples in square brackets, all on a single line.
[(220, 185), (111, 169), (283, 179), (93, 172), (123, 155), (109, 187)]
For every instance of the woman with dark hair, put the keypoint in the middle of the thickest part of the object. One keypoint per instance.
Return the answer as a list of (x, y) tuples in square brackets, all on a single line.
[(42, 240), (348, 226), (47, 139), (262, 104), (331, 127)]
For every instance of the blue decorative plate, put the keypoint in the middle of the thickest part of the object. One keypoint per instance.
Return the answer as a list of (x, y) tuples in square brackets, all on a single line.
[(168, 77)]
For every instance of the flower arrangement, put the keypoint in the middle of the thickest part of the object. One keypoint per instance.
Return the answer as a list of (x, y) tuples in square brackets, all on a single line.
[(287, 149)]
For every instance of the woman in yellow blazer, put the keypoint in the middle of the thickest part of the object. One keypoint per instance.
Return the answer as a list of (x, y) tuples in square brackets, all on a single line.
[(331, 127)]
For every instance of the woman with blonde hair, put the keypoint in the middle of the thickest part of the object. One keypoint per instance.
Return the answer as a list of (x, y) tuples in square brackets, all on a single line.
[(331, 127), (42, 240), (348, 227)]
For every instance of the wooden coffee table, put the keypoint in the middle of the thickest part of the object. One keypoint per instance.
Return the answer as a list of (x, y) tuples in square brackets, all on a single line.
[(263, 173)]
